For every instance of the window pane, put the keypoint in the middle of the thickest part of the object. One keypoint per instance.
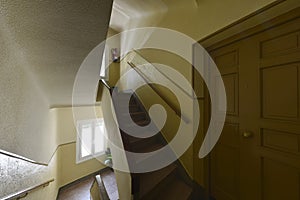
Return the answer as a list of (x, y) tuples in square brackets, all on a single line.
[(99, 138), (86, 140), (103, 65)]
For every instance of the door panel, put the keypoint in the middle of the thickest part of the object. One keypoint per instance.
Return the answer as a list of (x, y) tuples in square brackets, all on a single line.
[(231, 87), (225, 161), (226, 164), (280, 181), (280, 92), (281, 141)]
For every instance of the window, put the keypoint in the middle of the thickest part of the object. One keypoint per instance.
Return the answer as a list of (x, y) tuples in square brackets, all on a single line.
[(105, 62), (91, 140)]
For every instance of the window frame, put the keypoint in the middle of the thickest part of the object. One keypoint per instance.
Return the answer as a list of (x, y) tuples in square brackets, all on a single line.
[(93, 122), (104, 63)]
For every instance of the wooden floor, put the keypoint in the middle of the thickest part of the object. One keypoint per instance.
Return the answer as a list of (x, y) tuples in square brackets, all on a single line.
[(77, 191)]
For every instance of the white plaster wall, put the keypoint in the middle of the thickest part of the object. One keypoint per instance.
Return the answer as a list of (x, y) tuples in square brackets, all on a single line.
[(25, 120), (16, 175)]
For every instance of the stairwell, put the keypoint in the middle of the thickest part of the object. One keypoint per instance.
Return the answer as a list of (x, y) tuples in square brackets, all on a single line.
[(168, 183)]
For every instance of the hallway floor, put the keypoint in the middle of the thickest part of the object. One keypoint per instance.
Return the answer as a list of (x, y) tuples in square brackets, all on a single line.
[(77, 191)]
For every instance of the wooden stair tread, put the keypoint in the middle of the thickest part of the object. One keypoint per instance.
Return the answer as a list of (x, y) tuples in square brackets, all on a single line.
[(135, 113), (148, 181), (136, 123), (137, 140), (135, 116), (151, 148), (176, 190)]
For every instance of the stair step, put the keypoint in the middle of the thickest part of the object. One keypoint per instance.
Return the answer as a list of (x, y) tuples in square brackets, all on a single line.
[(151, 180), (123, 104), (131, 108), (134, 108), (150, 148), (123, 96), (135, 116), (176, 190), (139, 122), (138, 143), (147, 159), (126, 92)]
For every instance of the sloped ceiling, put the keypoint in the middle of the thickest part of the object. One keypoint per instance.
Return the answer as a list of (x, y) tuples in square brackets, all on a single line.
[(53, 38), (126, 13)]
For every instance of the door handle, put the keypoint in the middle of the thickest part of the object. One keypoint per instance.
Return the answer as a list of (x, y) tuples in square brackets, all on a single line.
[(247, 134)]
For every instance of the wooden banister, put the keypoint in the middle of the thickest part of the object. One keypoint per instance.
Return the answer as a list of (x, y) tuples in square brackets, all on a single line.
[(21, 158), (23, 193)]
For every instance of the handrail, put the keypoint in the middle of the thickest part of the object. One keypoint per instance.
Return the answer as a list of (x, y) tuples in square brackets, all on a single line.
[(162, 73), (176, 110), (105, 83), (23, 193), (12, 155)]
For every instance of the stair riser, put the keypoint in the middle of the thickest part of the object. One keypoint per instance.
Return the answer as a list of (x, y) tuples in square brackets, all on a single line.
[(160, 187)]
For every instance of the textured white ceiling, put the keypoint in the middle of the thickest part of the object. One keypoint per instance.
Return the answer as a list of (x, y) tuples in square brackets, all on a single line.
[(53, 38)]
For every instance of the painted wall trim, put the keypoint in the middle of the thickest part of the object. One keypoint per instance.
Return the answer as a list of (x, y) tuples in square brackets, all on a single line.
[(12, 155)]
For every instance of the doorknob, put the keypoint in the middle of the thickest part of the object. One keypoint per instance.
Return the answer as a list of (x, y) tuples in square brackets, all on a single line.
[(247, 134)]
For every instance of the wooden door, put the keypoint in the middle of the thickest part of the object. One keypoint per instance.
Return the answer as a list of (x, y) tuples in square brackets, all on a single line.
[(225, 162), (258, 154)]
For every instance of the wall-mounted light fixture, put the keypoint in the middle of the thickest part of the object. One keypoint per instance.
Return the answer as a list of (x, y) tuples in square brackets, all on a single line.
[(115, 54)]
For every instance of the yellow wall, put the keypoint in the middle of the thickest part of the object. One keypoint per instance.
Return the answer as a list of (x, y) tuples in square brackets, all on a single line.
[(69, 170), (66, 129), (114, 68), (207, 17)]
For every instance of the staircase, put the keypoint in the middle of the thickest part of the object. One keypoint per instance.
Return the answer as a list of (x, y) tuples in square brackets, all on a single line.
[(169, 183)]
